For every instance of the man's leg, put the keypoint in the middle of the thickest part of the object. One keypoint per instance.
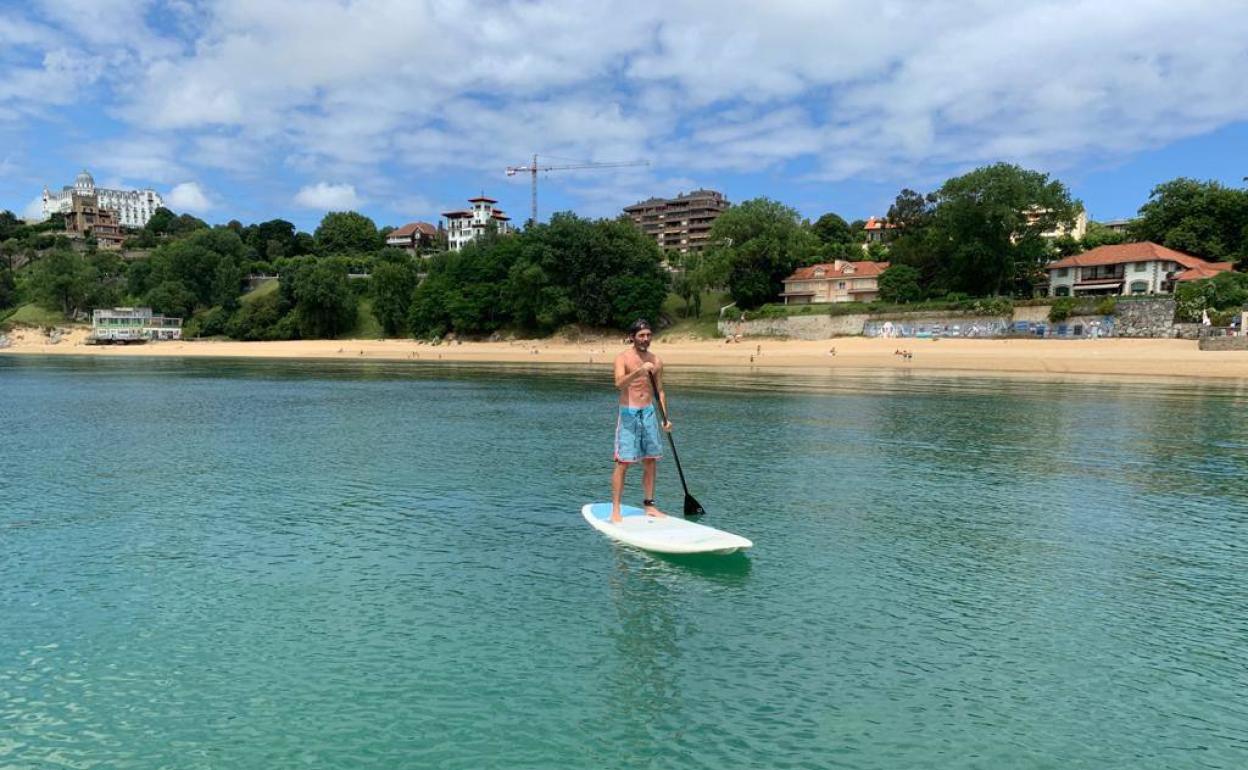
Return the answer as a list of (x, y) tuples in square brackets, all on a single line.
[(617, 490), (649, 470)]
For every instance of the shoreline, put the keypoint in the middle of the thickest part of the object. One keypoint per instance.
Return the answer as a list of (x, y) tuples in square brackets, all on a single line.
[(1168, 358)]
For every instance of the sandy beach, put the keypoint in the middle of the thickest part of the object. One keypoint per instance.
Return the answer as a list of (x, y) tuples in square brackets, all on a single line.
[(1111, 357)]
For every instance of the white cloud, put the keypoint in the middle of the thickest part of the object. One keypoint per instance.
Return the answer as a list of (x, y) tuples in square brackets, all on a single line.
[(844, 88), (33, 212), (189, 196), (328, 197)]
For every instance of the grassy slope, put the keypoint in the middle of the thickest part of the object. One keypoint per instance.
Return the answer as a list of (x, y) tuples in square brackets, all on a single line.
[(703, 326), (367, 327), (264, 289), (33, 315)]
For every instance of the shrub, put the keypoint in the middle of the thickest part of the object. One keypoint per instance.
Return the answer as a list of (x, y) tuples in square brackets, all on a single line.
[(1061, 309), (1107, 306)]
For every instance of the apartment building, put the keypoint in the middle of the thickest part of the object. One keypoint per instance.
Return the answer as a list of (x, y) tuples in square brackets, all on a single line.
[(681, 224)]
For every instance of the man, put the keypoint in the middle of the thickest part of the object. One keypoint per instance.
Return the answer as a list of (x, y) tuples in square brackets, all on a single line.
[(637, 426)]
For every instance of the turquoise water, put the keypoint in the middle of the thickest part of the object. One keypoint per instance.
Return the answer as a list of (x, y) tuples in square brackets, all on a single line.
[(238, 565)]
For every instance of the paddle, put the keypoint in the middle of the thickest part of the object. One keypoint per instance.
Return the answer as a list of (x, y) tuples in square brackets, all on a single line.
[(692, 507)]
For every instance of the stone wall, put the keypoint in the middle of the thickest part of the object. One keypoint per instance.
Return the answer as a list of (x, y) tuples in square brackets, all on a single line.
[(801, 327), (1224, 343), (1152, 317)]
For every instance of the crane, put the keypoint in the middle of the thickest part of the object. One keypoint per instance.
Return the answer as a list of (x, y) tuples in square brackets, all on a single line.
[(533, 169)]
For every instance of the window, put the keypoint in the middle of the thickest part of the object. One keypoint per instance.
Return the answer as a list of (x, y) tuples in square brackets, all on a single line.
[(1063, 272), (840, 284), (1140, 267), (1061, 291), (1139, 287)]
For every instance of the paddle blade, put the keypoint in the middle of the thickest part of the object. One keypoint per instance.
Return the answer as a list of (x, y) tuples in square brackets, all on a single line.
[(692, 507)]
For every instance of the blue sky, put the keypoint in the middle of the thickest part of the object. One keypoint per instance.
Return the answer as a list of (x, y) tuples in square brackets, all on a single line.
[(235, 109)]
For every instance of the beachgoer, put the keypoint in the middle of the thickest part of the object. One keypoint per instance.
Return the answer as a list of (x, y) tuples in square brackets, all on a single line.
[(637, 423)]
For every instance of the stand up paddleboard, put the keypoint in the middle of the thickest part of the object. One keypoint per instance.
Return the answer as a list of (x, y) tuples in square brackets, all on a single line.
[(668, 534)]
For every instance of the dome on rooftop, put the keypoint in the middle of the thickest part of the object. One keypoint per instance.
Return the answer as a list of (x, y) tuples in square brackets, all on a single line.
[(84, 181)]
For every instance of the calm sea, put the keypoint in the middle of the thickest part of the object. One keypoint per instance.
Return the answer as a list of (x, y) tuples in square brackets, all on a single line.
[(262, 565)]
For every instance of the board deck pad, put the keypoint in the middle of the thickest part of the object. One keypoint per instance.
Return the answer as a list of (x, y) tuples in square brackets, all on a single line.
[(670, 534)]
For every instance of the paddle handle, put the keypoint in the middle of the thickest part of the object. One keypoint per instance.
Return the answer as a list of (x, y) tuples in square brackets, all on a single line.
[(654, 386)]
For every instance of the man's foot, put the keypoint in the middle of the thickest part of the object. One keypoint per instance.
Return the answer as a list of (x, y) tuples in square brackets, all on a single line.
[(651, 510), (616, 518)]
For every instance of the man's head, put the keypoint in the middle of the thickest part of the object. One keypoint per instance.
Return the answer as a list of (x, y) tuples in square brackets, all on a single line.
[(641, 334)]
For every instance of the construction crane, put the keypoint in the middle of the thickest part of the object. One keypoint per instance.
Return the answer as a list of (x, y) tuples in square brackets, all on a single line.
[(533, 169)]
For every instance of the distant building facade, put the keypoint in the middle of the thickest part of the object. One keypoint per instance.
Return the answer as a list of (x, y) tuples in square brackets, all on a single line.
[(87, 220), (464, 226), (132, 207), (1117, 225), (878, 230), (132, 324), (839, 281), (415, 237), (1127, 269), (1076, 230), (682, 223)]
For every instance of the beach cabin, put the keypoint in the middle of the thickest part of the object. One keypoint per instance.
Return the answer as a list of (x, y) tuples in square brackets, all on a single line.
[(124, 325)]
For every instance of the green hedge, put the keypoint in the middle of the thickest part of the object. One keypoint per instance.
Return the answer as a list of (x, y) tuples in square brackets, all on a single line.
[(984, 306)]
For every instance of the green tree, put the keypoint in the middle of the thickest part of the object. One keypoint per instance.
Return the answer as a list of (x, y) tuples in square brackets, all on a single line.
[(832, 229), (767, 243), (900, 283), (324, 303), (1098, 234), (346, 232), (985, 230), (171, 298), (1205, 219), (391, 286), (1224, 291), (61, 280)]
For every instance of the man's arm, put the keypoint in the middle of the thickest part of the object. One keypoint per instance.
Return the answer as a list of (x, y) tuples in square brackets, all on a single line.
[(662, 396)]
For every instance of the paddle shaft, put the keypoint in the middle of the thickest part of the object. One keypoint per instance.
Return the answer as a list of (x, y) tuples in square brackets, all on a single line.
[(654, 385)]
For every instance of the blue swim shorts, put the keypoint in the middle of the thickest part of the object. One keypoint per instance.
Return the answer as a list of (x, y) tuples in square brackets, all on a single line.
[(637, 434)]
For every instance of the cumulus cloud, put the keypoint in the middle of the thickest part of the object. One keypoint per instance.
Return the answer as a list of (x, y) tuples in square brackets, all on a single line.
[(328, 197), (847, 89), (33, 211), (189, 196)]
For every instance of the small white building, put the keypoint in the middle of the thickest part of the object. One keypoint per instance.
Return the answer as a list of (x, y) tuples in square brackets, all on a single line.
[(132, 324), (133, 207), (464, 226), (1126, 269)]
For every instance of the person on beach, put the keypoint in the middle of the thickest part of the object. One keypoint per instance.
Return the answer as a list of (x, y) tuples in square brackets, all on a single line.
[(637, 423)]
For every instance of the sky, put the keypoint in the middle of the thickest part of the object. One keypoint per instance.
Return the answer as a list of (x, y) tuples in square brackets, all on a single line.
[(263, 109)]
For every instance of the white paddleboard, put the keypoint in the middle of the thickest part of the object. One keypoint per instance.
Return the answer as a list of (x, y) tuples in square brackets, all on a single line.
[(667, 534)]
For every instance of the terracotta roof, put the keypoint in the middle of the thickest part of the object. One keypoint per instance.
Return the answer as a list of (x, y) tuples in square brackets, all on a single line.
[(1207, 270), (831, 272), (878, 224), (456, 214), (424, 228), (1121, 253)]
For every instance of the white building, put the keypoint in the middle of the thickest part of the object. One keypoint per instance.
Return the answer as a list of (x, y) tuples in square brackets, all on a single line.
[(132, 324), (463, 226), (1126, 269), (133, 207)]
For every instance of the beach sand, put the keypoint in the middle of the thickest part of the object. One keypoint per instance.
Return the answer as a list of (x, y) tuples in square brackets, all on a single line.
[(1112, 357)]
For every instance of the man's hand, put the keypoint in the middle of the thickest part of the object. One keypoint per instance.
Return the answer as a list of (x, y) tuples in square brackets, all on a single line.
[(667, 426), (647, 366)]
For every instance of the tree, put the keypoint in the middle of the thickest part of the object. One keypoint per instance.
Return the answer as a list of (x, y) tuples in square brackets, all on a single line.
[(1098, 234), (985, 230), (60, 281), (345, 232), (900, 283), (1224, 291), (171, 298), (832, 229), (324, 304), (911, 210), (768, 242), (391, 286), (1204, 219)]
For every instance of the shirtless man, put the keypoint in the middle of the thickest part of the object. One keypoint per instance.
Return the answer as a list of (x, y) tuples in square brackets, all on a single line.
[(637, 426)]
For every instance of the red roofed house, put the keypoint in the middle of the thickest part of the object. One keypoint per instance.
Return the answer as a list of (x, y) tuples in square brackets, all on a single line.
[(413, 236), (878, 230), (1126, 268), (463, 226), (839, 281)]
